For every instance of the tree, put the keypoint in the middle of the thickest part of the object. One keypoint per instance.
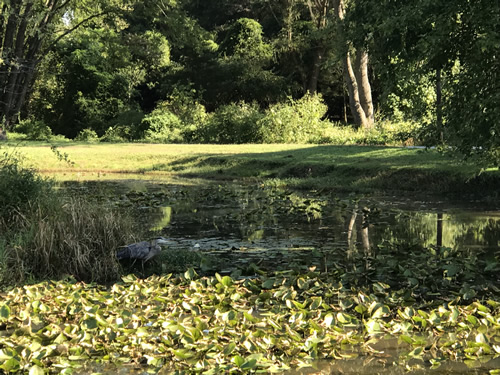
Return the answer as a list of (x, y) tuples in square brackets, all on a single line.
[(451, 45), (355, 72), (28, 30)]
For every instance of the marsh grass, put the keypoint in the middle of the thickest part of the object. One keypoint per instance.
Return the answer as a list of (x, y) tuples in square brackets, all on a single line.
[(76, 238), (44, 235)]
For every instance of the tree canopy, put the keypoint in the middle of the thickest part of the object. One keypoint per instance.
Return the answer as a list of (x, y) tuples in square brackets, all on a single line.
[(72, 65)]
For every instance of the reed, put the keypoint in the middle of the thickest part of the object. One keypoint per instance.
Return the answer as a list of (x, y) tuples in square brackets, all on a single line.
[(76, 238)]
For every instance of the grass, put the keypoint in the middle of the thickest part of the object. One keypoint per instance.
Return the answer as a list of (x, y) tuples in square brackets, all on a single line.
[(344, 168), (45, 235), (76, 238)]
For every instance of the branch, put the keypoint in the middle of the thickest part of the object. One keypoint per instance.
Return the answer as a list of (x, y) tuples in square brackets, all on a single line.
[(70, 30), (311, 11), (272, 11)]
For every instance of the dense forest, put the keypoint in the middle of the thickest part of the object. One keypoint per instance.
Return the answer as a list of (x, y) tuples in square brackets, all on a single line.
[(252, 70)]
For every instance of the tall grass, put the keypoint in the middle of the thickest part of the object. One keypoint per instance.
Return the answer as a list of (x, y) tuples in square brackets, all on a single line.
[(76, 238), (43, 235)]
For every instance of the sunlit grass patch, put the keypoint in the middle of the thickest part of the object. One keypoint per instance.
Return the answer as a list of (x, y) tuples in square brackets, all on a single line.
[(358, 168)]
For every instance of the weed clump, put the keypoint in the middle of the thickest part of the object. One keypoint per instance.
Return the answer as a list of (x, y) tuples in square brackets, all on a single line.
[(43, 235), (20, 187)]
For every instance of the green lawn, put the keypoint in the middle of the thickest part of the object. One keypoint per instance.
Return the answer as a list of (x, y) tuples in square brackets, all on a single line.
[(347, 168)]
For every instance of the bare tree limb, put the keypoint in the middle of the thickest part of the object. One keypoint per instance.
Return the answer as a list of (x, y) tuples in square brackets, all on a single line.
[(70, 30)]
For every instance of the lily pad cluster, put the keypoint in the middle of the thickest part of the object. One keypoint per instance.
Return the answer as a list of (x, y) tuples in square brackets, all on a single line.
[(216, 324)]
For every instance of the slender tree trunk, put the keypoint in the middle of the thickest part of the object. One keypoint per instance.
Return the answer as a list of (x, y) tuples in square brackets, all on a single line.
[(2, 24), (312, 86), (356, 77), (18, 69), (365, 90), (22, 35), (7, 50), (318, 11), (439, 106), (439, 230), (352, 88)]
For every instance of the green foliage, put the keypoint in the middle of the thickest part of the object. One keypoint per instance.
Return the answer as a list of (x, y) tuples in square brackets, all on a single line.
[(116, 134), (244, 40), (213, 322), (162, 126), (87, 135), (130, 123), (20, 187), (35, 130), (233, 123), (183, 104), (298, 121), (473, 110)]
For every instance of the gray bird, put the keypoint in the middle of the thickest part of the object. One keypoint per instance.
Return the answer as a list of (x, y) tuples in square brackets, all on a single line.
[(142, 251)]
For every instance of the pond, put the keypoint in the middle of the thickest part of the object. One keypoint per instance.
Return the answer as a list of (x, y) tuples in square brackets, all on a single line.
[(253, 218), (250, 230)]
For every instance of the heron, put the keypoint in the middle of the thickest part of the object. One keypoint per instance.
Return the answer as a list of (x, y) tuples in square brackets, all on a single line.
[(143, 251)]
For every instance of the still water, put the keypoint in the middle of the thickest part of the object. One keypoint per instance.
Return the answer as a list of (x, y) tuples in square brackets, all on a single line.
[(217, 217)]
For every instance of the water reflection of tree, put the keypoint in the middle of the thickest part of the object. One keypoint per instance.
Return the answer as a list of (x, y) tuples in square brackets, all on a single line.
[(439, 229)]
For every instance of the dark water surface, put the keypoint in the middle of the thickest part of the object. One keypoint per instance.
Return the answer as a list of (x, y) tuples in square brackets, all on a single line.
[(281, 229), (217, 217)]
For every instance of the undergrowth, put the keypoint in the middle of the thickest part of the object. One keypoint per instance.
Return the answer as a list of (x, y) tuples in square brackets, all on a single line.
[(43, 235)]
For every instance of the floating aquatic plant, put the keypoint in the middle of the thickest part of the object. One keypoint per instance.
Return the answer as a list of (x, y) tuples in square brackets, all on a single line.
[(215, 324)]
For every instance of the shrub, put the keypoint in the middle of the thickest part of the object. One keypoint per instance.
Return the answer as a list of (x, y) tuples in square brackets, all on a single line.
[(384, 133), (233, 123), (190, 112), (35, 130), (87, 135), (162, 126), (115, 134), (20, 187), (129, 123), (298, 121)]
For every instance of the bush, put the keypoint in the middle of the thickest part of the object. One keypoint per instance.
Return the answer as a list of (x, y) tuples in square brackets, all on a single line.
[(115, 134), (162, 126), (35, 130), (87, 135), (190, 112), (130, 124), (384, 133), (298, 121), (20, 187), (233, 123), (42, 235)]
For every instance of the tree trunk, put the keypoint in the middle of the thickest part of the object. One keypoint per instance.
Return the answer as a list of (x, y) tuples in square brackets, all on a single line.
[(18, 68), (439, 106), (7, 51), (356, 78), (312, 86), (352, 88), (365, 90)]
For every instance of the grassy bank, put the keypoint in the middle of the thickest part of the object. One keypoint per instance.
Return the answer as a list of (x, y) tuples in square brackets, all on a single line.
[(344, 168)]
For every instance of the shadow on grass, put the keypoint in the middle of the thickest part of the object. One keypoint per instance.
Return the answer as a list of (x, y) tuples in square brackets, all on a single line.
[(345, 168)]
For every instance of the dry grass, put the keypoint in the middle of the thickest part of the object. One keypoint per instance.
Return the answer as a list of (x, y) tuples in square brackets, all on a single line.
[(78, 239)]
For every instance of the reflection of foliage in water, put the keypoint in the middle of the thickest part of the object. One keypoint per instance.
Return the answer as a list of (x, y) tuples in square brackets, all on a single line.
[(233, 217)]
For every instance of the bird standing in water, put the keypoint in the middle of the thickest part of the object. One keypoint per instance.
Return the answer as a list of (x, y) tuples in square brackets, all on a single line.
[(142, 251)]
